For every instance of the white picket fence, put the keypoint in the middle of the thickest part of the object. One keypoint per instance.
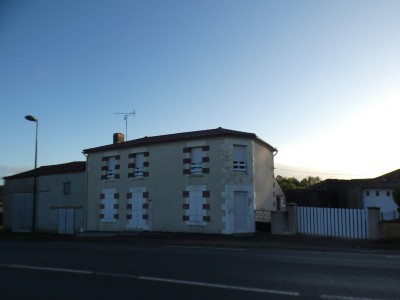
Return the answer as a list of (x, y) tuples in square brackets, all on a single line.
[(334, 222)]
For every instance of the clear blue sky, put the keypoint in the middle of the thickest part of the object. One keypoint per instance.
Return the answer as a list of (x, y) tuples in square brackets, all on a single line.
[(319, 80)]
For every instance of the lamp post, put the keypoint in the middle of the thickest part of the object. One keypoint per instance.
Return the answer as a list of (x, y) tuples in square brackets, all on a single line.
[(33, 119)]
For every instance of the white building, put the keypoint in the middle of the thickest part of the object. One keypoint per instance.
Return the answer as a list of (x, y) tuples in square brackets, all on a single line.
[(208, 181), (378, 192)]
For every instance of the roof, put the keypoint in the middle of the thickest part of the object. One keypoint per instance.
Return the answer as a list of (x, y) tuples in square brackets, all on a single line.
[(71, 167), (388, 180), (392, 176), (183, 136)]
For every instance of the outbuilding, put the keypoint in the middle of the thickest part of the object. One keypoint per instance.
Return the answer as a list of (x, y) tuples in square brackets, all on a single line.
[(60, 199)]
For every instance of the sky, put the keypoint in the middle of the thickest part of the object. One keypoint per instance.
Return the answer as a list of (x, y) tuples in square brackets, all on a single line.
[(318, 80)]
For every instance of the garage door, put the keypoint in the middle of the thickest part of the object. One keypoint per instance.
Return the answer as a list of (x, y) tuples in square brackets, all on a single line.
[(22, 212)]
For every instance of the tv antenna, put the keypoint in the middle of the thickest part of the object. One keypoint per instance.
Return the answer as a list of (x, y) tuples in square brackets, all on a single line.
[(126, 116)]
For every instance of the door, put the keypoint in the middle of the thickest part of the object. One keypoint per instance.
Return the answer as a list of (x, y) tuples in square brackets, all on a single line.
[(241, 212), (65, 221), (22, 212)]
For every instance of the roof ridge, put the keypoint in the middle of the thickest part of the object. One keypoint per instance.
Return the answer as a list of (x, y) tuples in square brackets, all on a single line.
[(180, 136), (69, 167)]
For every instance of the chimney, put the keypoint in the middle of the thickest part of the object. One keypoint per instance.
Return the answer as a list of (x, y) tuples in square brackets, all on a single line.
[(118, 138)]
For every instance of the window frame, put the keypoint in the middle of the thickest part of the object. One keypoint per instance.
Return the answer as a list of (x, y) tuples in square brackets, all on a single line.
[(138, 171), (109, 206), (196, 160), (196, 211), (111, 169), (67, 187), (239, 158)]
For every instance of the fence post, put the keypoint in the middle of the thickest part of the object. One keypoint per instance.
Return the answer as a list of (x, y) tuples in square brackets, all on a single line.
[(374, 223), (291, 209)]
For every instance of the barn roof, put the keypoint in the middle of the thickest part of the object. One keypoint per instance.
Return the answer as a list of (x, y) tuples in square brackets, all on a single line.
[(71, 167)]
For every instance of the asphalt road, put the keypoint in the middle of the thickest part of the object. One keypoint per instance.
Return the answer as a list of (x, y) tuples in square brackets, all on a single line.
[(57, 270)]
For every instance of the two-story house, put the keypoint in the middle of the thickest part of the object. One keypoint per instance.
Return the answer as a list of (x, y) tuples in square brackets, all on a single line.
[(208, 181)]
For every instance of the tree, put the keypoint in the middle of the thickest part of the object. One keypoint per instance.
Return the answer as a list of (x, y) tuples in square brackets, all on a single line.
[(396, 197), (309, 181), (287, 184), (292, 183)]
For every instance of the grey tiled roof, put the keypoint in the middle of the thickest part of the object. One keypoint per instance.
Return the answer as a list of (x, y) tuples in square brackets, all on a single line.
[(191, 135), (71, 167), (392, 176)]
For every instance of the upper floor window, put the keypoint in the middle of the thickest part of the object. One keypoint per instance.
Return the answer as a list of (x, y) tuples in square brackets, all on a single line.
[(388, 193), (139, 162), (367, 193), (239, 158), (110, 168), (67, 188), (139, 167), (196, 159), (377, 193)]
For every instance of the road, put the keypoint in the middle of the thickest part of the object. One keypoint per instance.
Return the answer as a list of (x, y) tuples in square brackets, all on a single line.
[(54, 270)]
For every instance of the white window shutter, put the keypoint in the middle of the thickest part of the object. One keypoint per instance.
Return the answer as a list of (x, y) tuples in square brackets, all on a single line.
[(196, 157), (239, 158), (111, 167), (109, 207), (139, 161), (196, 211)]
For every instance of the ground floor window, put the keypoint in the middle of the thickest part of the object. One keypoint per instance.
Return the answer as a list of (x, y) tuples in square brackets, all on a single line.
[(195, 210), (109, 206)]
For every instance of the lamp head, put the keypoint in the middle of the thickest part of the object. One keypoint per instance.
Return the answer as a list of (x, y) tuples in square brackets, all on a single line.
[(31, 118)]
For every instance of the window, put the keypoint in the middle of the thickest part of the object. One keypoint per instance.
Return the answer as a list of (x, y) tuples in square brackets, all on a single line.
[(388, 193), (377, 193), (196, 210), (239, 158), (110, 168), (139, 162), (367, 193), (109, 205), (139, 166), (196, 158), (137, 208), (67, 188)]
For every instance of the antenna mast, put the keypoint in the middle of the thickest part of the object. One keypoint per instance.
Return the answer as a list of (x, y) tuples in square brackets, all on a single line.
[(126, 116)]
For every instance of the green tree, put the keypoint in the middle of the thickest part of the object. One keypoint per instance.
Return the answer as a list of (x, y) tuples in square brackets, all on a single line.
[(309, 181), (288, 184), (396, 197), (292, 183)]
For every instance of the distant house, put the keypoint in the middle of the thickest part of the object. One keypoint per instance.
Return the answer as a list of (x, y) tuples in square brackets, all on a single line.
[(59, 204), (208, 181), (354, 193), (378, 192)]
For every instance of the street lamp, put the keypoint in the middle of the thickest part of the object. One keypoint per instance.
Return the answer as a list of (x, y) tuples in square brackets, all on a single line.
[(33, 119)]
